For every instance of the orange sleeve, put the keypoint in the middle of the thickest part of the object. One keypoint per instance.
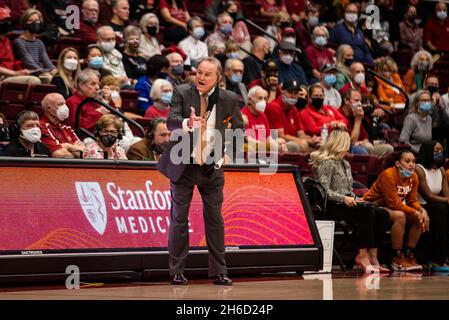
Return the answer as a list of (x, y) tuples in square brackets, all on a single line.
[(389, 189), (381, 94), (409, 82)]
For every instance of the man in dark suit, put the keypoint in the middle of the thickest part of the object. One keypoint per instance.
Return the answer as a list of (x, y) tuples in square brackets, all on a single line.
[(151, 147), (195, 109)]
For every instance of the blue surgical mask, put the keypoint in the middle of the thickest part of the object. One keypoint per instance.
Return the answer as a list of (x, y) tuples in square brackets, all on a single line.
[(425, 107), (289, 101), (198, 33), (233, 55), (96, 62), (313, 21), (321, 41), (330, 79), (226, 29), (438, 157), (166, 97), (236, 78), (406, 173)]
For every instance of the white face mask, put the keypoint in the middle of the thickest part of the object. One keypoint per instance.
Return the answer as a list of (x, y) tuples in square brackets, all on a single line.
[(71, 64), (107, 46), (351, 17), (260, 106), (114, 95), (62, 113), (32, 135), (359, 78), (287, 59)]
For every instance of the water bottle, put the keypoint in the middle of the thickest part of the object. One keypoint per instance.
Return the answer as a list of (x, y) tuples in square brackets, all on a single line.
[(324, 133)]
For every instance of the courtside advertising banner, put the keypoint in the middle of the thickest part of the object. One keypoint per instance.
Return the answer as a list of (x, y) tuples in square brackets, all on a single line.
[(88, 208)]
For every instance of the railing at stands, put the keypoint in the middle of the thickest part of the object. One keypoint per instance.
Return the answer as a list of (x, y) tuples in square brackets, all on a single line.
[(252, 24), (407, 100), (110, 108)]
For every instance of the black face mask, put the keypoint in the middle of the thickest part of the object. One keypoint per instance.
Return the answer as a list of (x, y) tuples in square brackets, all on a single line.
[(432, 89), (233, 15), (108, 140), (285, 24), (348, 62), (159, 149), (162, 75), (35, 27), (317, 103), (5, 27), (4, 132), (152, 31), (302, 102)]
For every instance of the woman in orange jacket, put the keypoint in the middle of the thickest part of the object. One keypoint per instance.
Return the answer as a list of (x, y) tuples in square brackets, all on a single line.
[(396, 190)]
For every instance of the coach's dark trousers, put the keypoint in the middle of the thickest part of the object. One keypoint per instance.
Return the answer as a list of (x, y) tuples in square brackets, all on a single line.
[(210, 183)]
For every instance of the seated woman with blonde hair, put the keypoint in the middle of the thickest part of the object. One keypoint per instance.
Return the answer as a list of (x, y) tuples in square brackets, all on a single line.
[(334, 174), (107, 131)]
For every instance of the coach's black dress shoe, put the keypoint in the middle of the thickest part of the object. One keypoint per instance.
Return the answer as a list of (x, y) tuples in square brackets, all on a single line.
[(223, 280), (179, 279)]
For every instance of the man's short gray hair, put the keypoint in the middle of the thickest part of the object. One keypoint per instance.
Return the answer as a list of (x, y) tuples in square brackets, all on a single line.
[(102, 29), (253, 91), (131, 31), (229, 62), (85, 75), (214, 61)]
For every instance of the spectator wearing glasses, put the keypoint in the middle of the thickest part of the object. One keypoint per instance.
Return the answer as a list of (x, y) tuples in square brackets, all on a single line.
[(89, 25), (26, 137), (107, 131)]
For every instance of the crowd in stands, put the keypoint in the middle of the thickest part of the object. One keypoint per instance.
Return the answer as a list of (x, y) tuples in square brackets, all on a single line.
[(316, 78)]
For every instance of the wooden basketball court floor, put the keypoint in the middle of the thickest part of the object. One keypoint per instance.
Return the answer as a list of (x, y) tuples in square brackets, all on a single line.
[(339, 285)]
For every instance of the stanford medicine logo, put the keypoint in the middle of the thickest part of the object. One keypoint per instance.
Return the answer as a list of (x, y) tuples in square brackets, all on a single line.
[(92, 201)]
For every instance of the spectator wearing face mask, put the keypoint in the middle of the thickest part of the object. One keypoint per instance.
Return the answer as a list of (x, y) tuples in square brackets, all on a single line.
[(135, 65), (161, 94), (434, 197), (316, 114), (149, 44), (304, 28), (240, 32), (284, 116), (68, 68), (223, 29), (156, 69), (347, 32), (193, 46), (256, 122), (417, 127), (411, 35), (112, 58), (345, 57), (281, 21), (93, 58), (120, 17), (288, 70), (421, 64), (331, 95), (357, 79), (89, 25), (107, 130), (27, 135), (215, 7), (60, 139), (30, 49), (176, 70), (7, 63), (318, 53), (436, 31), (233, 72), (153, 145)]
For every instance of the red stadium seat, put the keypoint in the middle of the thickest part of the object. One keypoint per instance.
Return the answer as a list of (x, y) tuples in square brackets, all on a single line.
[(129, 100), (13, 98), (68, 42), (36, 95)]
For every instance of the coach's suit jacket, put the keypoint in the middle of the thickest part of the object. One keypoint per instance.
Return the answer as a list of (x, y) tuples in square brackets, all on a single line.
[(184, 97)]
